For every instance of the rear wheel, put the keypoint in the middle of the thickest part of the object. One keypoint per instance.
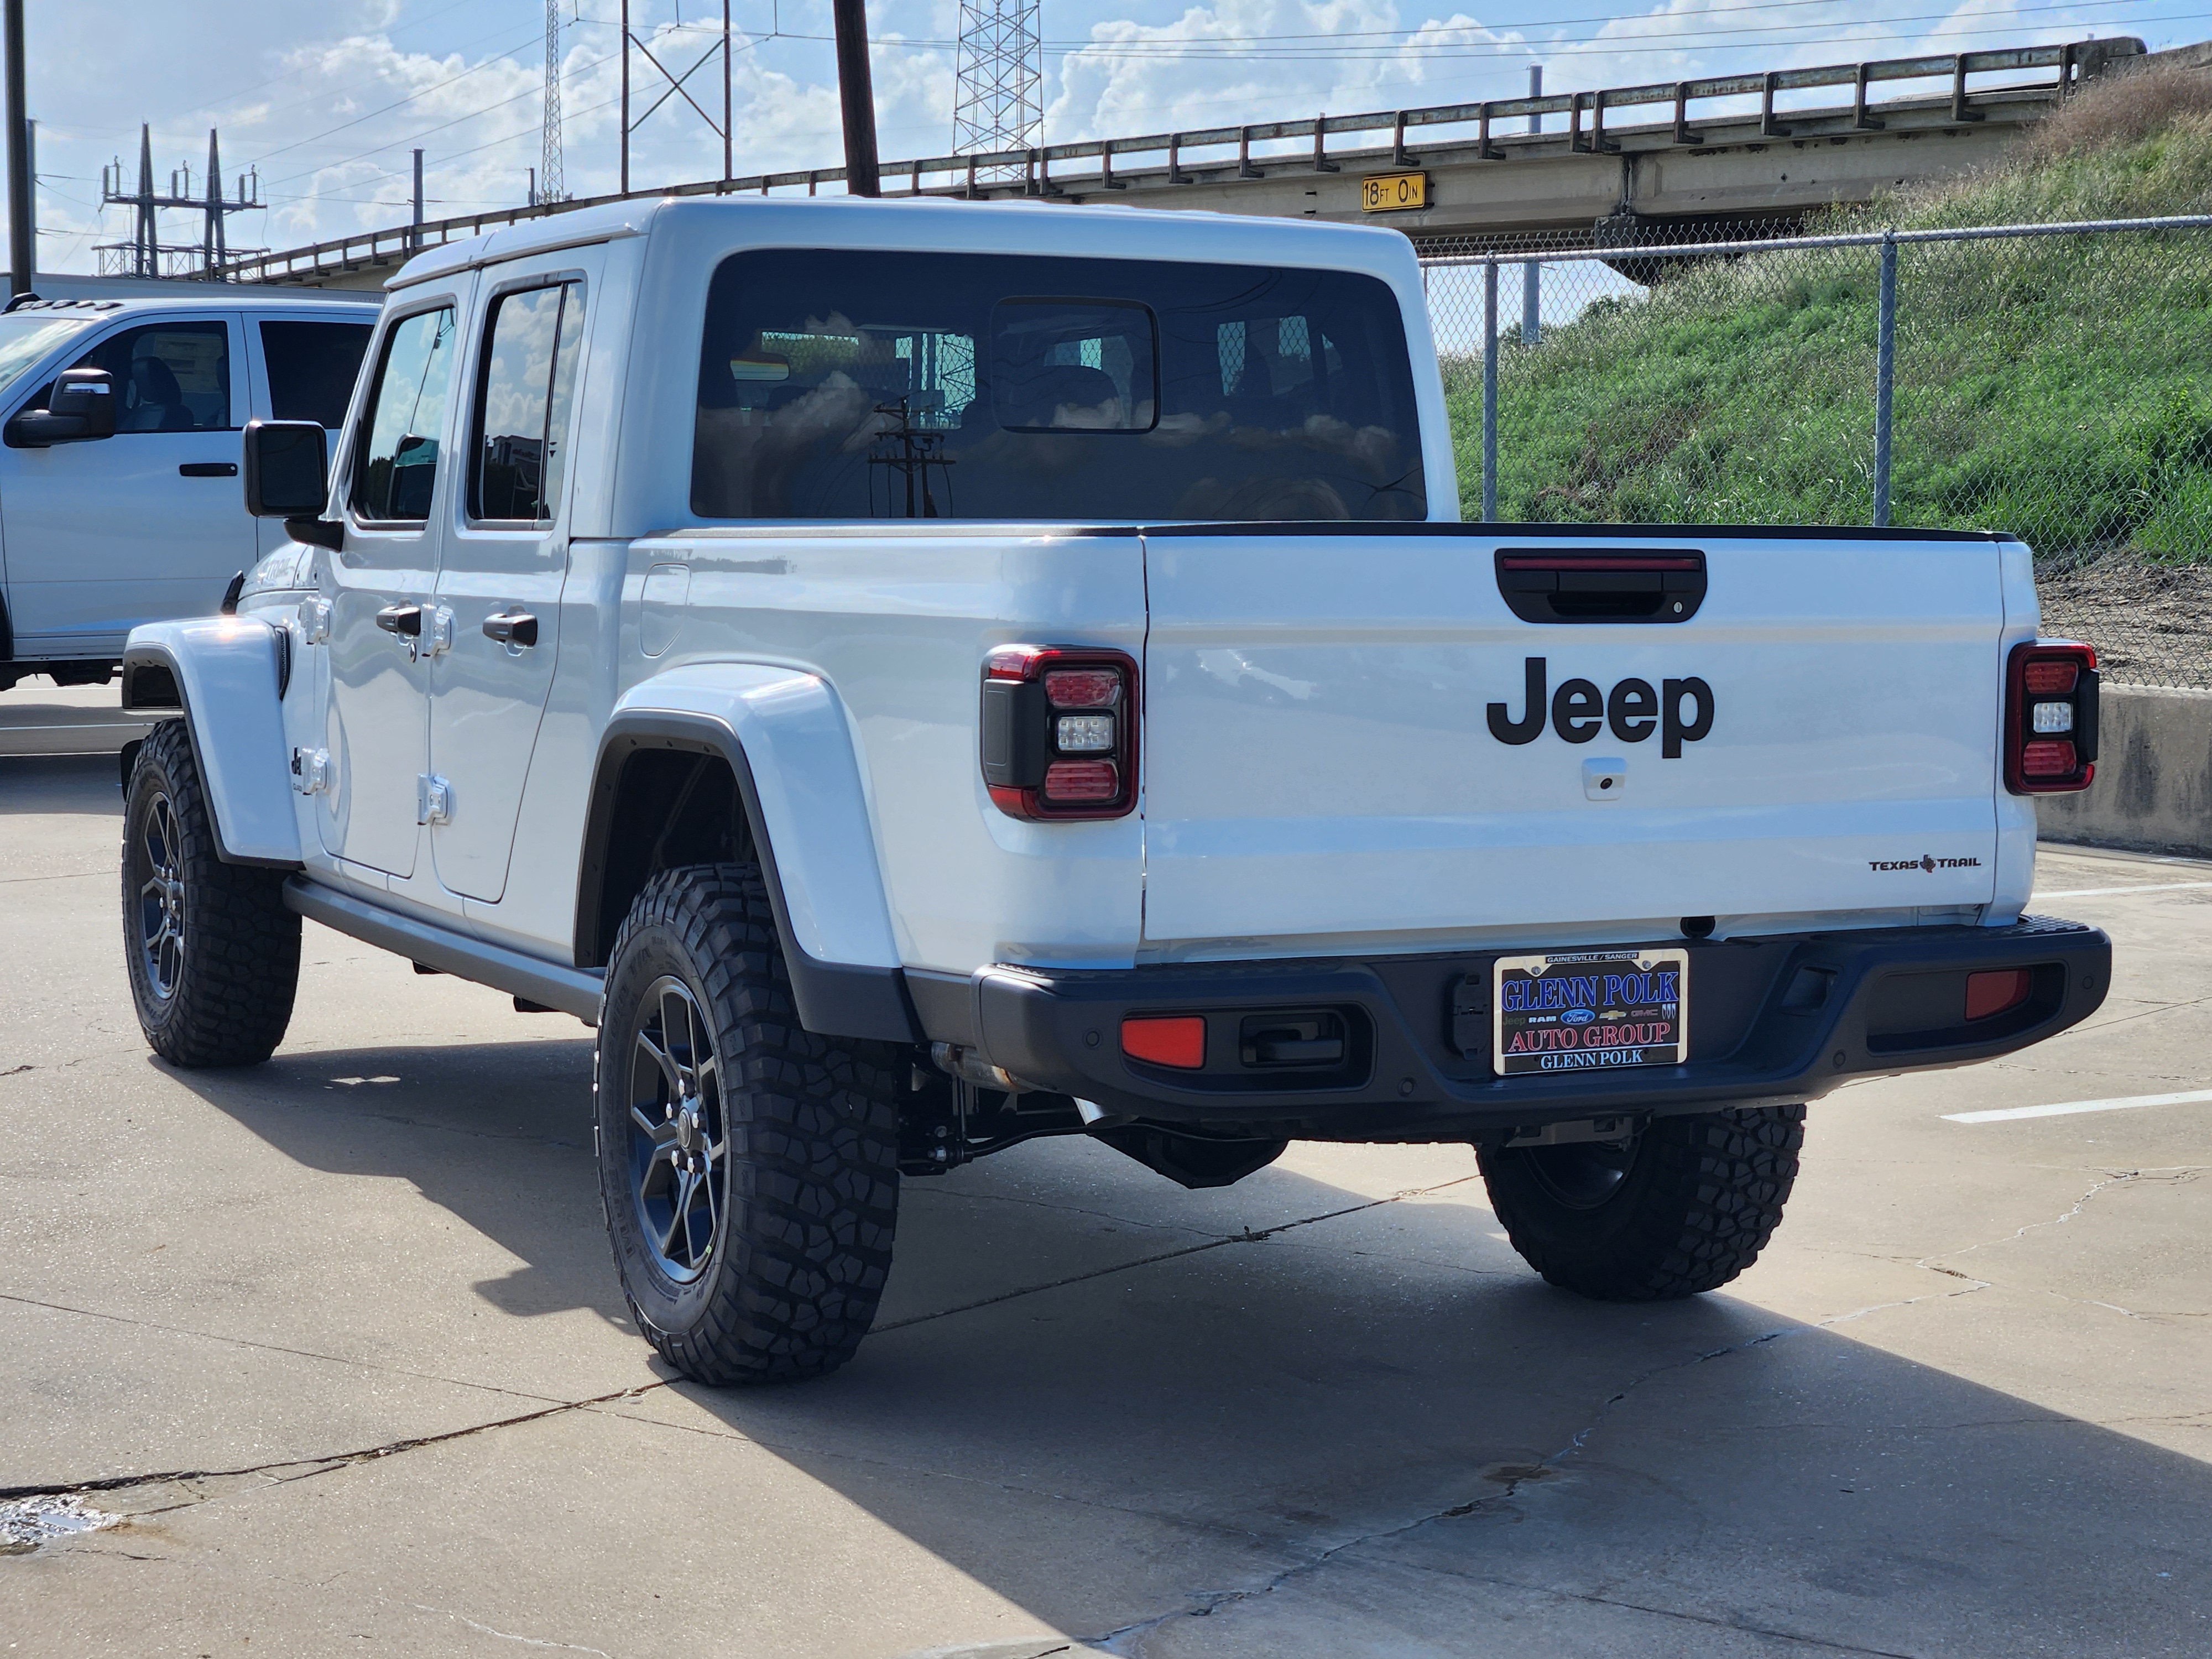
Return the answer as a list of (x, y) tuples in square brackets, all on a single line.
[(749, 1168), (213, 954), (1683, 1208)]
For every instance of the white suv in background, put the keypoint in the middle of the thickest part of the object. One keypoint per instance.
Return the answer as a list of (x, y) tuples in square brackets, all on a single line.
[(129, 511)]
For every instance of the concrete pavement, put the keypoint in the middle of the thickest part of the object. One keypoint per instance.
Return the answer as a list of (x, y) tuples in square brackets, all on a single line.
[(338, 1340)]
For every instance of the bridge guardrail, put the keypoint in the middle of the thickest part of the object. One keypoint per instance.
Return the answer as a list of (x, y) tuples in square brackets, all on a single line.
[(1169, 158)]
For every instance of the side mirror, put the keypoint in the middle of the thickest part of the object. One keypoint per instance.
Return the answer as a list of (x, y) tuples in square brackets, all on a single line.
[(81, 407), (287, 471)]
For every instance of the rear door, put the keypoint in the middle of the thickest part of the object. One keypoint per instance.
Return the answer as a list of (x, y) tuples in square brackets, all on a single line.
[(506, 555), (144, 525), (1340, 747)]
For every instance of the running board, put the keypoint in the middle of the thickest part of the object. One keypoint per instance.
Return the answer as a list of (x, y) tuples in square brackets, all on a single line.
[(571, 990)]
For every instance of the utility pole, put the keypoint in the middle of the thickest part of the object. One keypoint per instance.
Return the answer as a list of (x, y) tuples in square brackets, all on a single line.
[(22, 228), (213, 254), (415, 236), (625, 97), (1531, 274), (856, 93)]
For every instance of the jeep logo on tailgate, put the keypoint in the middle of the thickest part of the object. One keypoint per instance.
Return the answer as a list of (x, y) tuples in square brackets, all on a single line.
[(1579, 711)]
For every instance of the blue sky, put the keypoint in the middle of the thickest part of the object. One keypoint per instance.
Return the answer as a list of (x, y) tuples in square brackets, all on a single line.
[(327, 100)]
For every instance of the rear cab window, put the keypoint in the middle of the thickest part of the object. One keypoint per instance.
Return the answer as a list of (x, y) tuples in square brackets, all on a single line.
[(974, 387)]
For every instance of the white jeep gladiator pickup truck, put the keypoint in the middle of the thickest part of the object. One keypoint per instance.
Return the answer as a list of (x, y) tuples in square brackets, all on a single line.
[(920, 676)]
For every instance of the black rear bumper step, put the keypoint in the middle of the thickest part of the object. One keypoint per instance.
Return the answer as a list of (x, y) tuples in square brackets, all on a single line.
[(1774, 1020)]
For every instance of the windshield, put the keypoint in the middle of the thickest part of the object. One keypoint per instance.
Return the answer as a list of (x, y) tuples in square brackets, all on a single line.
[(24, 341)]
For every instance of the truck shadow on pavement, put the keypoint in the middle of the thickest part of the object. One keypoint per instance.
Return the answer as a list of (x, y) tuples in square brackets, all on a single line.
[(1295, 1417)]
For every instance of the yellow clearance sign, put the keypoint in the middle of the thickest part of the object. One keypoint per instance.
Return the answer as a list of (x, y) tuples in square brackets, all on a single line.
[(1394, 192)]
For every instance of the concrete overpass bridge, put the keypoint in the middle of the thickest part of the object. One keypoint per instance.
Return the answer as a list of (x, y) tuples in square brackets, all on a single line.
[(1607, 167)]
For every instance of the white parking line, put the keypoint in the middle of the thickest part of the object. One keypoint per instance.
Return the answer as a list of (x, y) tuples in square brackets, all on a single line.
[(2100, 892), (2067, 1109)]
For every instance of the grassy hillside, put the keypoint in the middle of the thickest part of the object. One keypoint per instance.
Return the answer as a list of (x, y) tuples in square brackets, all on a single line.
[(2060, 387)]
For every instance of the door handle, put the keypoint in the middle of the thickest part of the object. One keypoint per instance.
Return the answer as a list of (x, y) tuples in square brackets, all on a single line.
[(511, 628), (405, 619), (207, 470)]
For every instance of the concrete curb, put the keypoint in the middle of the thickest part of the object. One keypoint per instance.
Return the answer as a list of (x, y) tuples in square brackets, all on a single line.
[(2154, 787)]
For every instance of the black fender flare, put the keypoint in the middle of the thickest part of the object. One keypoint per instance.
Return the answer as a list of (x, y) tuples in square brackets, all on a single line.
[(834, 999)]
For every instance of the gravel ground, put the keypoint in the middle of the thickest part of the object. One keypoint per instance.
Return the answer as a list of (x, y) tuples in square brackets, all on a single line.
[(2151, 624)]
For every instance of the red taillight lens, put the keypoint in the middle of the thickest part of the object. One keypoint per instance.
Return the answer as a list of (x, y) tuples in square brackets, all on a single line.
[(1081, 782), (1995, 992), (1083, 688), (1177, 1040), (2050, 687), (1059, 732)]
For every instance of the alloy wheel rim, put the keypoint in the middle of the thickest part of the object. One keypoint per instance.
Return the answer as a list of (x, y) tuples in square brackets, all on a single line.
[(160, 898), (678, 1137)]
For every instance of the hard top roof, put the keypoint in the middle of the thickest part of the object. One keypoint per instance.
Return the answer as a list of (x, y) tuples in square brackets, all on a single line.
[(612, 220)]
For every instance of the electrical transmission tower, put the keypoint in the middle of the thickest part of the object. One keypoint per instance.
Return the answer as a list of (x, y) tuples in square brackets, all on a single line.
[(146, 254), (552, 187), (1000, 101)]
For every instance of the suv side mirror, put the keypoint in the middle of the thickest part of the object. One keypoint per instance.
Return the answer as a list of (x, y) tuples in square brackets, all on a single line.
[(287, 471), (82, 406)]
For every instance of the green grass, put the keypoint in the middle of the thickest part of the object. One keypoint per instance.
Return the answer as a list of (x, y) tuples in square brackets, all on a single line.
[(2058, 387)]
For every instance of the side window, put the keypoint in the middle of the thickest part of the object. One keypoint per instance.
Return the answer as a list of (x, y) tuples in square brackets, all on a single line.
[(525, 389), (311, 368), (396, 468), (169, 377)]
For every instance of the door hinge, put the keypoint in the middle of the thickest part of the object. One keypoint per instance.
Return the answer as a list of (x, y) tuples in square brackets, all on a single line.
[(314, 620), (442, 632), (311, 771), (434, 800)]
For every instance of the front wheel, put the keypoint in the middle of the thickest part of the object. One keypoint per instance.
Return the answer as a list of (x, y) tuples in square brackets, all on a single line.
[(1683, 1208), (213, 954), (749, 1168)]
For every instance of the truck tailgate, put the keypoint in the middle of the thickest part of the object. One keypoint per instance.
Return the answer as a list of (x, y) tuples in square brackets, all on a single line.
[(1324, 766)]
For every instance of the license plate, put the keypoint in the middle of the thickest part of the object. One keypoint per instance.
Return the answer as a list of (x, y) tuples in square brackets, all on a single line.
[(1576, 1010)]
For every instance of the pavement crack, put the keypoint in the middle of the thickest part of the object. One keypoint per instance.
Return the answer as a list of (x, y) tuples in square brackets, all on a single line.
[(274, 1347), (507, 1635), (297, 1468), (1250, 1236)]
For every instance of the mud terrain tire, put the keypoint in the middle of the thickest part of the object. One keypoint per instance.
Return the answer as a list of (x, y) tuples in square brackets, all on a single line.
[(749, 1168), (213, 954), (1683, 1208)]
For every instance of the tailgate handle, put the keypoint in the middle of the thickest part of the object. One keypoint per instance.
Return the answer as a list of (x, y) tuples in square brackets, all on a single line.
[(1601, 585)]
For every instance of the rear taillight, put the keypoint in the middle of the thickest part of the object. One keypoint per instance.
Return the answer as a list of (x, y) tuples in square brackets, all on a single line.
[(2051, 718), (1059, 732)]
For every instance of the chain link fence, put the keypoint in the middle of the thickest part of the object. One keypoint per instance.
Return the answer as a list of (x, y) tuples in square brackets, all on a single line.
[(2052, 381)]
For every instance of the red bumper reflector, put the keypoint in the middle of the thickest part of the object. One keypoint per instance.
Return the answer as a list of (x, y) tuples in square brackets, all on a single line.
[(1995, 992), (1177, 1041), (2048, 760)]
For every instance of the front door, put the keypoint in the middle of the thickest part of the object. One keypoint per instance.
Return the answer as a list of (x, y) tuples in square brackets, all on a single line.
[(382, 625), (506, 555), (144, 525)]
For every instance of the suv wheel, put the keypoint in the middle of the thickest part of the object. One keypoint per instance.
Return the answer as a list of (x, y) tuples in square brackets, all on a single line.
[(1684, 1206), (213, 954), (749, 1169)]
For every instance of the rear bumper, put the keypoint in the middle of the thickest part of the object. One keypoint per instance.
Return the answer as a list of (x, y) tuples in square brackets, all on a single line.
[(1774, 1020)]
